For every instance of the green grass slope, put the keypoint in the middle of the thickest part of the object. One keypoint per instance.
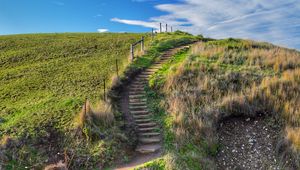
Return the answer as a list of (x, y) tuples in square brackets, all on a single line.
[(45, 79), (219, 79)]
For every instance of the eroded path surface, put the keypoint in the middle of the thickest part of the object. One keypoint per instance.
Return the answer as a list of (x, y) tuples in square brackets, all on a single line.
[(248, 143)]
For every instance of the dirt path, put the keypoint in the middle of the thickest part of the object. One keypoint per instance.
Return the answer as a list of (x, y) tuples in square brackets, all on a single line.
[(134, 108), (248, 144)]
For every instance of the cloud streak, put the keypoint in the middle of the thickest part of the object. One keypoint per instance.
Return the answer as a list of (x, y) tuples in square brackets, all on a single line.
[(102, 30), (135, 22), (277, 21)]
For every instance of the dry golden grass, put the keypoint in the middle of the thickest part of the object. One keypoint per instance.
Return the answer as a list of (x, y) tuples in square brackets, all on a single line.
[(90, 120), (233, 78), (103, 113), (5, 140), (293, 134)]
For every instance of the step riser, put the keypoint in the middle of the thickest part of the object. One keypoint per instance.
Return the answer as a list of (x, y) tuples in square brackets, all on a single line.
[(149, 134), (143, 121), (139, 113), (135, 117), (133, 92), (152, 129), (145, 76), (146, 126), (146, 149), (146, 131), (137, 109), (148, 142), (138, 104), (137, 100), (137, 96)]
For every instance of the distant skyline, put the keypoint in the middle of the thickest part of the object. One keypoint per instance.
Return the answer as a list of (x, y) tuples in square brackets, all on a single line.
[(276, 21)]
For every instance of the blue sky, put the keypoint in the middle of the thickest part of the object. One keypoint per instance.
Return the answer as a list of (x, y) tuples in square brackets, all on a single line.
[(276, 21)]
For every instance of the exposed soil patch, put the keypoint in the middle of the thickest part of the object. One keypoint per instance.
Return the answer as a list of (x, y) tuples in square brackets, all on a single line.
[(248, 143)]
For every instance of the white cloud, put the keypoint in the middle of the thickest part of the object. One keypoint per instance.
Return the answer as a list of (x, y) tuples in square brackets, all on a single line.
[(135, 22), (102, 30), (277, 21)]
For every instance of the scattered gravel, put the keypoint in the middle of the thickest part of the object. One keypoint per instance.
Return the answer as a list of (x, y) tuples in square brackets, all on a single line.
[(248, 143)]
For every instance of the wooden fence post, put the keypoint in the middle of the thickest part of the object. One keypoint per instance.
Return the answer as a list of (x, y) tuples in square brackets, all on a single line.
[(166, 27), (85, 106), (160, 28), (104, 94), (142, 43), (131, 52), (117, 68)]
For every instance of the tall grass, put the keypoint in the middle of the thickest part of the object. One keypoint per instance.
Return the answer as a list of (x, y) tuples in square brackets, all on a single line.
[(229, 77)]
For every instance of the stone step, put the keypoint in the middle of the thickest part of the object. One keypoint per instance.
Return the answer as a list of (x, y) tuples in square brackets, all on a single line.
[(149, 140), (155, 67), (146, 120), (149, 134), (146, 149), (137, 107), (144, 75), (138, 104), (147, 71), (137, 92), (144, 125), (136, 96), (138, 78), (139, 112), (136, 82), (148, 129), (131, 100), (137, 88), (139, 117)]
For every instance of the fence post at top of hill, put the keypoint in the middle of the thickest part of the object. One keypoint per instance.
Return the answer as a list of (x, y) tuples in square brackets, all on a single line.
[(160, 30), (166, 27)]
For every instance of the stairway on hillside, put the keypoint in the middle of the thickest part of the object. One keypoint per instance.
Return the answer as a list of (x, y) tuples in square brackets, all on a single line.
[(149, 134), (134, 107)]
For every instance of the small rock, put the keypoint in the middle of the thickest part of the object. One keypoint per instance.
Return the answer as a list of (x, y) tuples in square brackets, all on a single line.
[(248, 119)]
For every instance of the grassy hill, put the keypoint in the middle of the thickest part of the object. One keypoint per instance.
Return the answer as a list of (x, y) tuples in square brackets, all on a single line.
[(45, 79), (219, 79)]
